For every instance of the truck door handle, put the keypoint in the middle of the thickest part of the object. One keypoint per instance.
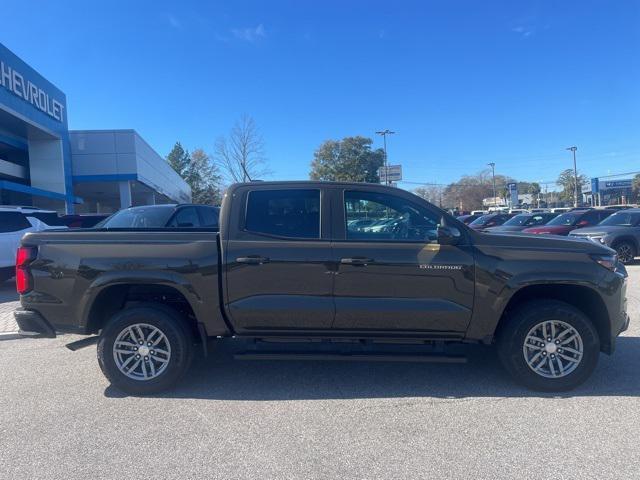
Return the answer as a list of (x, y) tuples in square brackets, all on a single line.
[(356, 261), (252, 260)]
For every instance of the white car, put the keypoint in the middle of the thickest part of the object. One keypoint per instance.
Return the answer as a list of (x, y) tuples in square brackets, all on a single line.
[(14, 223)]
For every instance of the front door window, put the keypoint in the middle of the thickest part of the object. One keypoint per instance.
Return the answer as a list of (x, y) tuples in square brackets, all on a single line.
[(372, 216)]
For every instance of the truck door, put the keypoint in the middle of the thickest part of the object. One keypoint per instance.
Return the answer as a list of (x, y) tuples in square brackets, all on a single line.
[(392, 273), (277, 258)]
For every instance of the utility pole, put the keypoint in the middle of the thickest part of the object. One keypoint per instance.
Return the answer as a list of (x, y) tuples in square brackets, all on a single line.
[(493, 174), (575, 176), (384, 134)]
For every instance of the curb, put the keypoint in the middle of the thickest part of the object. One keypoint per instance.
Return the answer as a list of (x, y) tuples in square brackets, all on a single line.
[(9, 336)]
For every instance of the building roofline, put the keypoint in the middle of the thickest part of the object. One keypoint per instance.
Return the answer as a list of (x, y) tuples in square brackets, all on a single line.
[(105, 130)]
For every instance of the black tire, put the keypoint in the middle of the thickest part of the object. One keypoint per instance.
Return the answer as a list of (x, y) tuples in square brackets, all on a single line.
[(177, 334), (512, 336), (626, 251)]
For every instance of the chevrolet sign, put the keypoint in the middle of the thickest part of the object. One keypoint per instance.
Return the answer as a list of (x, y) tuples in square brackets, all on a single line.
[(15, 82)]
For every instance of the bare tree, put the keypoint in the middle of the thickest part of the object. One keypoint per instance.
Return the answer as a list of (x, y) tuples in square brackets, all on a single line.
[(431, 193), (241, 154)]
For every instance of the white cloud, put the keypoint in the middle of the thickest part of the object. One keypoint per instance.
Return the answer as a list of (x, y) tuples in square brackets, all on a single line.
[(250, 34), (523, 30)]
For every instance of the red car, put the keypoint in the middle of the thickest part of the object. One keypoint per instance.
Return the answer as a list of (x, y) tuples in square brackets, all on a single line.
[(565, 223)]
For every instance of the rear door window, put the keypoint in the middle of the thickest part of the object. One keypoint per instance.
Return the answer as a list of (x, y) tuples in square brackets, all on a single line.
[(209, 216), (186, 217), (13, 222), (289, 213), (50, 218), (592, 217)]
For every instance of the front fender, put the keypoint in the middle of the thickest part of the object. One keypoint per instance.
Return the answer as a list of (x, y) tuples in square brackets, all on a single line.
[(501, 273)]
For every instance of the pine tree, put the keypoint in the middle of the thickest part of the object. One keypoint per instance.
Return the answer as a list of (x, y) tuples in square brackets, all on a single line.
[(204, 179), (199, 172), (179, 159)]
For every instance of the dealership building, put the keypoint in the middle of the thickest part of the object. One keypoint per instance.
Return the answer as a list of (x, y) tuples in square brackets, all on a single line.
[(44, 164), (608, 191)]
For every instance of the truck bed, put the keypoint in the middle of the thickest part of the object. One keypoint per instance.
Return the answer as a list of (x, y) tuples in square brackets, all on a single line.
[(78, 267)]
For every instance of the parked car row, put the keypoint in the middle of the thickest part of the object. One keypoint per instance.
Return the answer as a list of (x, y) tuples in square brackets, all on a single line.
[(620, 231), (163, 216), (567, 222), (523, 221), (15, 221), (614, 227)]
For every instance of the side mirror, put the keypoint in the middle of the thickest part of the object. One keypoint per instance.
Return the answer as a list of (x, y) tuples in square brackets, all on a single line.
[(583, 223), (448, 235)]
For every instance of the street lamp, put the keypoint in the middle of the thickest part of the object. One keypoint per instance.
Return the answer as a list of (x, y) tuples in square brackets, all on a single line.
[(384, 134), (575, 176), (493, 174)]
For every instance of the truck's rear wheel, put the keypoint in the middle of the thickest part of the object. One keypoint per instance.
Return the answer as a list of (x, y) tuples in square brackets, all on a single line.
[(144, 350), (549, 345)]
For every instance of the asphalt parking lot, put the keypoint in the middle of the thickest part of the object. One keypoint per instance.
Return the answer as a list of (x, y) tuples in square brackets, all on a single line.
[(59, 418)]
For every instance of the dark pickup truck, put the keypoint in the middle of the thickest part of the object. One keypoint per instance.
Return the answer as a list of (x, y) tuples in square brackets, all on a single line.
[(341, 265)]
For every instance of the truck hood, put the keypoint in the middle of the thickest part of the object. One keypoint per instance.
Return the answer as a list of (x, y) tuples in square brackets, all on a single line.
[(551, 229), (505, 228), (598, 231), (524, 241)]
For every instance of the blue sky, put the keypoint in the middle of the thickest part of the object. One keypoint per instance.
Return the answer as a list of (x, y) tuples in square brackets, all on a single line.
[(462, 83)]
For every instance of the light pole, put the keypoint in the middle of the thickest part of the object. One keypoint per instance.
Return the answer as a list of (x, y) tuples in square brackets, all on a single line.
[(384, 134), (575, 176), (493, 174)]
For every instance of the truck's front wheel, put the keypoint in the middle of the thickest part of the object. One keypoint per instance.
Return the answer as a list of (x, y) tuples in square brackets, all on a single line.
[(144, 350), (549, 345)]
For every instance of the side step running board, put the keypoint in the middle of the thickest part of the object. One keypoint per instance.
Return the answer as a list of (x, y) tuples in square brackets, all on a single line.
[(355, 357), (82, 343)]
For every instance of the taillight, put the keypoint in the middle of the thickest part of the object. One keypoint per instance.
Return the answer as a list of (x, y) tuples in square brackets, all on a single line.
[(24, 256)]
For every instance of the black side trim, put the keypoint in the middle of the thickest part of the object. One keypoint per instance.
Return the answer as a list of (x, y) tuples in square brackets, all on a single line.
[(32, 324)]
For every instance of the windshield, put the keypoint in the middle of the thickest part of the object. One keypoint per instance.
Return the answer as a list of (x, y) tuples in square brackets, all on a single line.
[(517, 220), (483, 220), (568, 219), (139, 217), (622, 219)]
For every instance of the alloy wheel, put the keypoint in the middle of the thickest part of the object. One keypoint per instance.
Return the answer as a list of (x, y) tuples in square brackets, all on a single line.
[(625, 253), (141, 352), (553, 349)]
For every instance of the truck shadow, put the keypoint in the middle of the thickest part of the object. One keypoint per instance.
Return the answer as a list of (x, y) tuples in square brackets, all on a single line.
[(220, 377)]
